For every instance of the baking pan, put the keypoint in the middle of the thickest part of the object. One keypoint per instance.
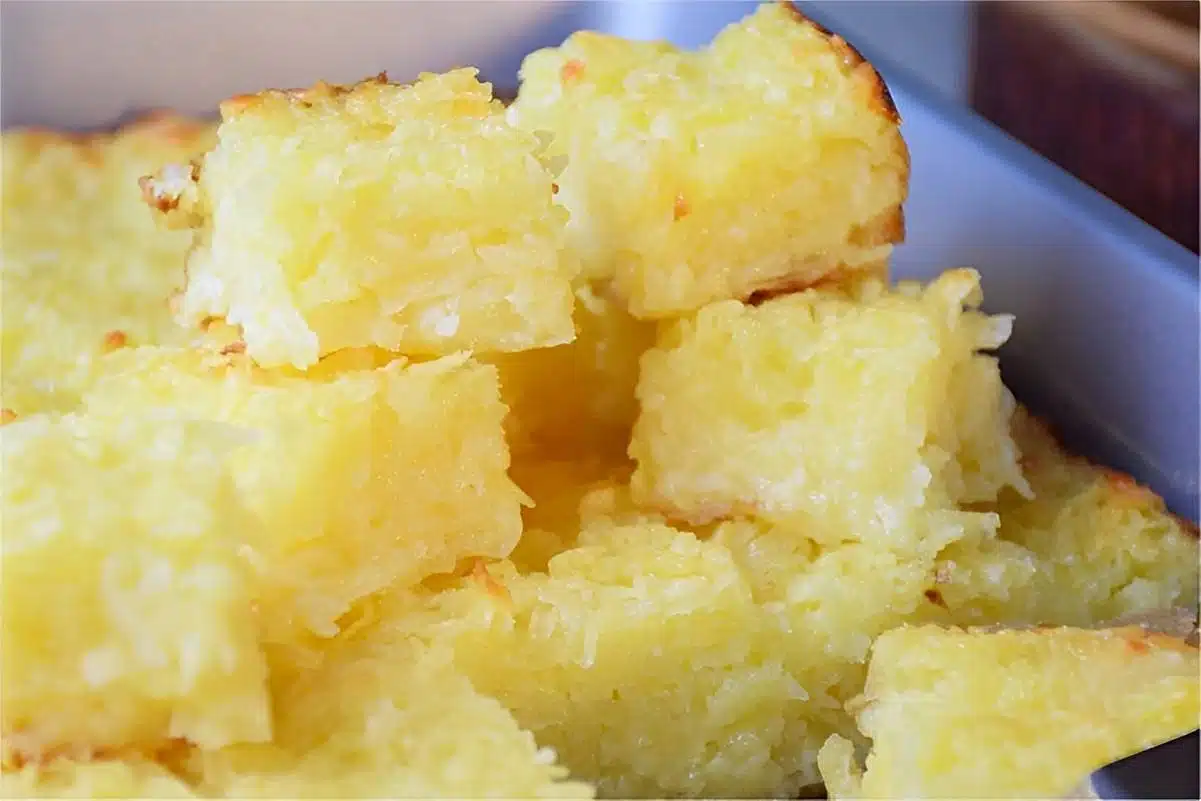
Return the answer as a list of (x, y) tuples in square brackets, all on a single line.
[(1106, 343), (1108, 322)]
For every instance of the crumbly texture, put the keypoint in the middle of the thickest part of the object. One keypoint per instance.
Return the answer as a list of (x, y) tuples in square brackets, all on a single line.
[(126, 609), (82, 256), (1014, 714), (864, 418), (1091, 545), (771, 158), (640, 657), (620, 649), (413, 218), (363, 480), (387, 718), (662, 663), (832, 601), (107, 778), (592, 381)]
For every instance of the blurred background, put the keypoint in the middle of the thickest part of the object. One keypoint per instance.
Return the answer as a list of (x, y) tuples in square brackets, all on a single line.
[(1107, 89)]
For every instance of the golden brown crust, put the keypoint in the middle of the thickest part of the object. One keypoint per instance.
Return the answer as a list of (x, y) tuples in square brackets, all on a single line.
[(20, 755), (323, 92), (152, 198), (1126, 490), (887, 229), (1188, 527), (680, 207), (162, 195), (880, 98), (804, 280), (1139, 639), (1123, 487), (1142, 641), (173, 192), (161, 125), (877, 90), (491, 585), (168, 127), (115, 340), (571, 71), (320, 91), (792, 284)]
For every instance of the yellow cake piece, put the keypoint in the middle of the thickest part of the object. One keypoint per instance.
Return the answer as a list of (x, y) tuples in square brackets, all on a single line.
[(1013, 714), (836, 599), (125, 612), (362, 480), (656, 664), (108, 778), (641, 658), (1091, 546), (413, 218), (85, 269), (770, 159), (865, 417), (388, 718), (829, 604), (1098, 532)]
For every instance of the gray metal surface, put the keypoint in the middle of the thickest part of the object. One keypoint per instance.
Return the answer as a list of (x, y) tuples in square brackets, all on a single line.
[(1158, 772), (1106, 342)]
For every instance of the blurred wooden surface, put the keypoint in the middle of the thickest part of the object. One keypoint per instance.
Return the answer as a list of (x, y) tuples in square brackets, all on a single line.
[(1108, 90)]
